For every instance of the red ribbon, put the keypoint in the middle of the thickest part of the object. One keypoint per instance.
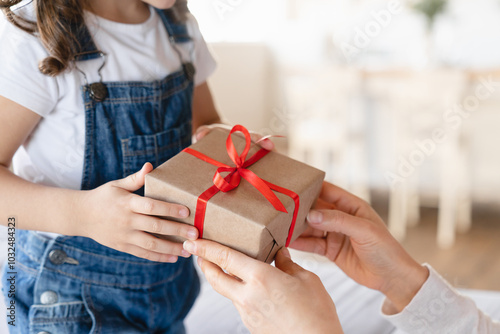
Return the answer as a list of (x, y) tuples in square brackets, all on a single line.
[(233, 179)]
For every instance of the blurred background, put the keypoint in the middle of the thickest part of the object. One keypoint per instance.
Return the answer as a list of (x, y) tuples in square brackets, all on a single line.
[(398, 101)]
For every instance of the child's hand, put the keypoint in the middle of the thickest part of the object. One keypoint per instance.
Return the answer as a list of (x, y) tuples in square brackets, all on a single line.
[(203, 130), (116, 217)]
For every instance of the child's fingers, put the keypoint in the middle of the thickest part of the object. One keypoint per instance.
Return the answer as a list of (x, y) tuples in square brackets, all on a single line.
[(265, 143), (284, 262), (152, 207), (150, 243), (135, 181), (164, 227), (149, 255), (202, 131)]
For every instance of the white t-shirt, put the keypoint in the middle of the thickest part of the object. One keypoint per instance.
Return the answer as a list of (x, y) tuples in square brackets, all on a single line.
[(439, 308), (53, 153)]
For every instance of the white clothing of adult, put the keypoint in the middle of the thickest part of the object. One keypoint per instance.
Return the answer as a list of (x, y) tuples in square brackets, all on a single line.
[(439, 308), (53, 153)]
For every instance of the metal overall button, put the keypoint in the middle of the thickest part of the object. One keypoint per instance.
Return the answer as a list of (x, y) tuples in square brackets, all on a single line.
[(58, 257), (98, 91), (49, 297)]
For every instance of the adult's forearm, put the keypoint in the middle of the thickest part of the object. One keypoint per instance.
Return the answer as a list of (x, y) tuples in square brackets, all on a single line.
[(37, 207), (439, 308)]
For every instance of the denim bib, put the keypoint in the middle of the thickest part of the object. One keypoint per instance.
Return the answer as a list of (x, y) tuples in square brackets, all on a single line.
[(76, 285)]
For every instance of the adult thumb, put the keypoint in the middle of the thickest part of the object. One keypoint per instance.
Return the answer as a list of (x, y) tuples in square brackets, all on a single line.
[(339, 222), (135, 181)]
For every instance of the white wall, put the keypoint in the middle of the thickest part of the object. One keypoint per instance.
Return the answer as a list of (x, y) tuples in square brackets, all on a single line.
[(243, 85)]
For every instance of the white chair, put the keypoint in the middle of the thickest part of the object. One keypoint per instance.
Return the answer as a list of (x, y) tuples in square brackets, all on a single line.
[(419, 104), (327, 127)]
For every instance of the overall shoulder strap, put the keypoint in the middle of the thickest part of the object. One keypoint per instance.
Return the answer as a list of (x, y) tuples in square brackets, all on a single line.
[(84, 46), (176, 30)]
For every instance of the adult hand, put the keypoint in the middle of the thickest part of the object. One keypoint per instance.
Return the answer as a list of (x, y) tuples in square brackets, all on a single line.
[(284, 299), (116, 217), (349, 232), (203, 130)]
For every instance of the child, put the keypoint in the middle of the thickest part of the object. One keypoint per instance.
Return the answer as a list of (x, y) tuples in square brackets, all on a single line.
[(91, 90)]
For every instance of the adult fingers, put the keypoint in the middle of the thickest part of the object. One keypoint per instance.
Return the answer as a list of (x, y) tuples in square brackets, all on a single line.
[(134, 181), (164, 227), (310, 244), (152, 207), (321, 204), (340, 222), (225, 284), (232, 261), (312, 232), (342, 199)]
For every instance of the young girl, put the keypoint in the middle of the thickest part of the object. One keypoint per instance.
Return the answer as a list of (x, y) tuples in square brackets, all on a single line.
[(91, 90)]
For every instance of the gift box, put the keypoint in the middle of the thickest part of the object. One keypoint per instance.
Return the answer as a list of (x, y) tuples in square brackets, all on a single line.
[(238, 194)]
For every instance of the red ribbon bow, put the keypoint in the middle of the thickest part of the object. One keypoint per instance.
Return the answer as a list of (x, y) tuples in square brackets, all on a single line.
[(233, 179)]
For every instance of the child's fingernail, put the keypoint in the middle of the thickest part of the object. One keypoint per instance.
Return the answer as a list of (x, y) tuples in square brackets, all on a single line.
[(200, 261), (172, 259), (315, 217), (184, 213), (189, 246), (185, 254), (286, 252), (192, 234)]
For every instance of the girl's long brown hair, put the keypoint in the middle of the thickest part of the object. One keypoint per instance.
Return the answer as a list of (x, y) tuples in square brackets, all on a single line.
[(56, 23)]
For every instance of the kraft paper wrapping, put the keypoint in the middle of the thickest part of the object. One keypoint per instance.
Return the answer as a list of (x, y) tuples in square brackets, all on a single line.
[(242, 219)]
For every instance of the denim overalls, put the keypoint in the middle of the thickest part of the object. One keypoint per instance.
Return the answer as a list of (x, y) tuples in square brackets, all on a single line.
[(75, 285)]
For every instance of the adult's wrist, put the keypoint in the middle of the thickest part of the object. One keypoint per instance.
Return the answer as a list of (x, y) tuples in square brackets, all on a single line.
[(405, 286)]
